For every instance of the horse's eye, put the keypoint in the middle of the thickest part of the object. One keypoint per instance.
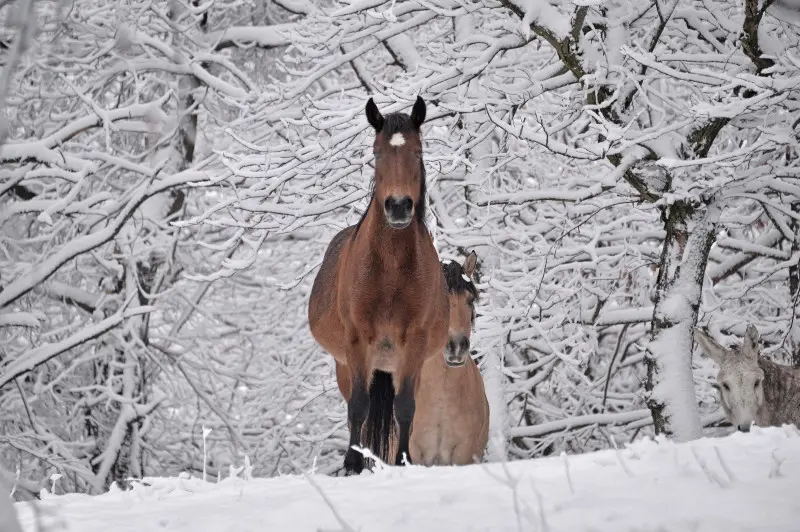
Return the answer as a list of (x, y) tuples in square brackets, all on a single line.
[(758, 382), (726, 387)]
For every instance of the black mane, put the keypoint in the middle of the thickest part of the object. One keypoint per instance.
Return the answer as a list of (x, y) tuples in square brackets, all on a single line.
[(455, 277), (401, 123)]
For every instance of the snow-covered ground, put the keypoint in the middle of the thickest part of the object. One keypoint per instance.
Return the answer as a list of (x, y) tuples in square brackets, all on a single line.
[(740, 482)]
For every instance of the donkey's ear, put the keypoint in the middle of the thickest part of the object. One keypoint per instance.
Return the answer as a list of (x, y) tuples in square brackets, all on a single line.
[(374, 116), (418, 113), (469, 264), (750, 343), (710, 346)]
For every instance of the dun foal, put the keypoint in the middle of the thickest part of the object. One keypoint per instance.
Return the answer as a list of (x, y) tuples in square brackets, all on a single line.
[(379, 302), (451, 424), (751, 387)]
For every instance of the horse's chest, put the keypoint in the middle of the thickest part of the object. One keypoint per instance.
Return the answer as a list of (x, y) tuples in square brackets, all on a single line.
[(392, 301)]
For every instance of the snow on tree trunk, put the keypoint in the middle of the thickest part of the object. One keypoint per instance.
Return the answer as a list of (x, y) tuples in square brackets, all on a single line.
[(494, 381), (794, 288), (480, 156), (690, 231)]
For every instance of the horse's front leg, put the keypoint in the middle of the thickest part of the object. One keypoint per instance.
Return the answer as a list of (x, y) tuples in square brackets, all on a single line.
[(404, 407), (357, 409)]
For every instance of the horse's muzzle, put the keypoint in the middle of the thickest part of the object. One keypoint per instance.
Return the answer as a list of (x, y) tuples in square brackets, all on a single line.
[(398, 211), (456, 351)]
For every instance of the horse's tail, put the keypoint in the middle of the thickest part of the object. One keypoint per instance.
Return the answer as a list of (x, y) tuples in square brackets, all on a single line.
[(380, 419)]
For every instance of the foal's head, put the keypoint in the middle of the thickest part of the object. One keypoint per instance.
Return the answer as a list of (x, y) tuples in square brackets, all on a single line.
[(463, 294), (399, 172), (740, 379)]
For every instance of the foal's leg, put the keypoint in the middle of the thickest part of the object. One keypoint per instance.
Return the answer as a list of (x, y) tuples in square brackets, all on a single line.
[(404, 407), (357, 408)]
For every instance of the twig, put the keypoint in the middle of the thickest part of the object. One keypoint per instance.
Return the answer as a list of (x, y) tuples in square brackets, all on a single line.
[(566, 469), (775, 470), (713, 477), (345, 526), (731, 476)]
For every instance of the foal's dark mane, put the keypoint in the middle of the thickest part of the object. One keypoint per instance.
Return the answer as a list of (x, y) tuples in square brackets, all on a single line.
[(454, 277), (400, 123), (456, 284)]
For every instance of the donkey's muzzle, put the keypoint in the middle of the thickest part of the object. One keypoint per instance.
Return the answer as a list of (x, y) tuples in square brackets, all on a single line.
[(456, 351), (398, 211)]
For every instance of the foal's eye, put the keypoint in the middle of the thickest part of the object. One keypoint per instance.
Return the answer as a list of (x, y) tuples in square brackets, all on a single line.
[(758, 382), (726, 387)]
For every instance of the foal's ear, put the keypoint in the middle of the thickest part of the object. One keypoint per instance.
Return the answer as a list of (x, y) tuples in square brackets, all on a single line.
[(710, 346), (418, 113), (469, 264), (374, 116), (750, 342)]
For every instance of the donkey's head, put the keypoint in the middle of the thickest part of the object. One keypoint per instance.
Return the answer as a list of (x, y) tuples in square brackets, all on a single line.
[(463, 294), (739, 380), (399, 171)]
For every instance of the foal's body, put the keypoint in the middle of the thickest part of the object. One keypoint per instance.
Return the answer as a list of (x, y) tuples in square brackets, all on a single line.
[(379, 302), (752, 388), (451, 426)]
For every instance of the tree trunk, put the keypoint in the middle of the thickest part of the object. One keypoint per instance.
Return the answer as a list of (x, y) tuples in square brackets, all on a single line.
[(690, 231), (794, 288)]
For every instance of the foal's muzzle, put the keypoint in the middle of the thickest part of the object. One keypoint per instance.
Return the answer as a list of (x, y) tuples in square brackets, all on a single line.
[(398, 211), (456, 351)]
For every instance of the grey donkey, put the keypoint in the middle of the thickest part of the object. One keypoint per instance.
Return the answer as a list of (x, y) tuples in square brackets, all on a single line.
[(751, 387)]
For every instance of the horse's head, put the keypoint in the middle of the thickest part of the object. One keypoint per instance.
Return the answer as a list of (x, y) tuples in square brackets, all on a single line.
[(463, 294), (399, 172), (740, 379)]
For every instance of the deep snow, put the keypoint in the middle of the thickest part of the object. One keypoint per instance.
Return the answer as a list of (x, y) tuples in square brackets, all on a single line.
[(736, 483)]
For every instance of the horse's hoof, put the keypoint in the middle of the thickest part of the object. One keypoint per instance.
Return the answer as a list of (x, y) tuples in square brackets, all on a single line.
[(353, 463)]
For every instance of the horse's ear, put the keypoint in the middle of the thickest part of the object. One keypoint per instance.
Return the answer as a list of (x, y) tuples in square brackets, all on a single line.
[(710, 346), (469, 264), (374, 116), (418, 113), (750, 343)]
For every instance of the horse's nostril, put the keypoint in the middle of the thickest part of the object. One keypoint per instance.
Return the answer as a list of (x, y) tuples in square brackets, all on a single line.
[(464, 344), (744, 427), (406, 204), (451, 346)]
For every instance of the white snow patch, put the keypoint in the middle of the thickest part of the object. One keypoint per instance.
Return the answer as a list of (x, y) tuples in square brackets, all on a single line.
[(397, 140), (464, 276), (743, 482), (541, 13)]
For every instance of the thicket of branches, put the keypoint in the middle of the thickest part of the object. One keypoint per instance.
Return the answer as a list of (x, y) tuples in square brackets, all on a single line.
[(174, 171)]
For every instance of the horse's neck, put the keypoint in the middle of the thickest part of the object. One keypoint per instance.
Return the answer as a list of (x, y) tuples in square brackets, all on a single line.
[(392, 244), (781, 393)]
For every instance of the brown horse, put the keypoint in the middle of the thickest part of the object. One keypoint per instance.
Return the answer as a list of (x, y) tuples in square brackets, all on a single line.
[(451, 420), (451, 423), (379, 302)]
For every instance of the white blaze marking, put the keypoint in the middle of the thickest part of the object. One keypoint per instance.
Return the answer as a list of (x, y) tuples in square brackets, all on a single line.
[(397, 140)]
